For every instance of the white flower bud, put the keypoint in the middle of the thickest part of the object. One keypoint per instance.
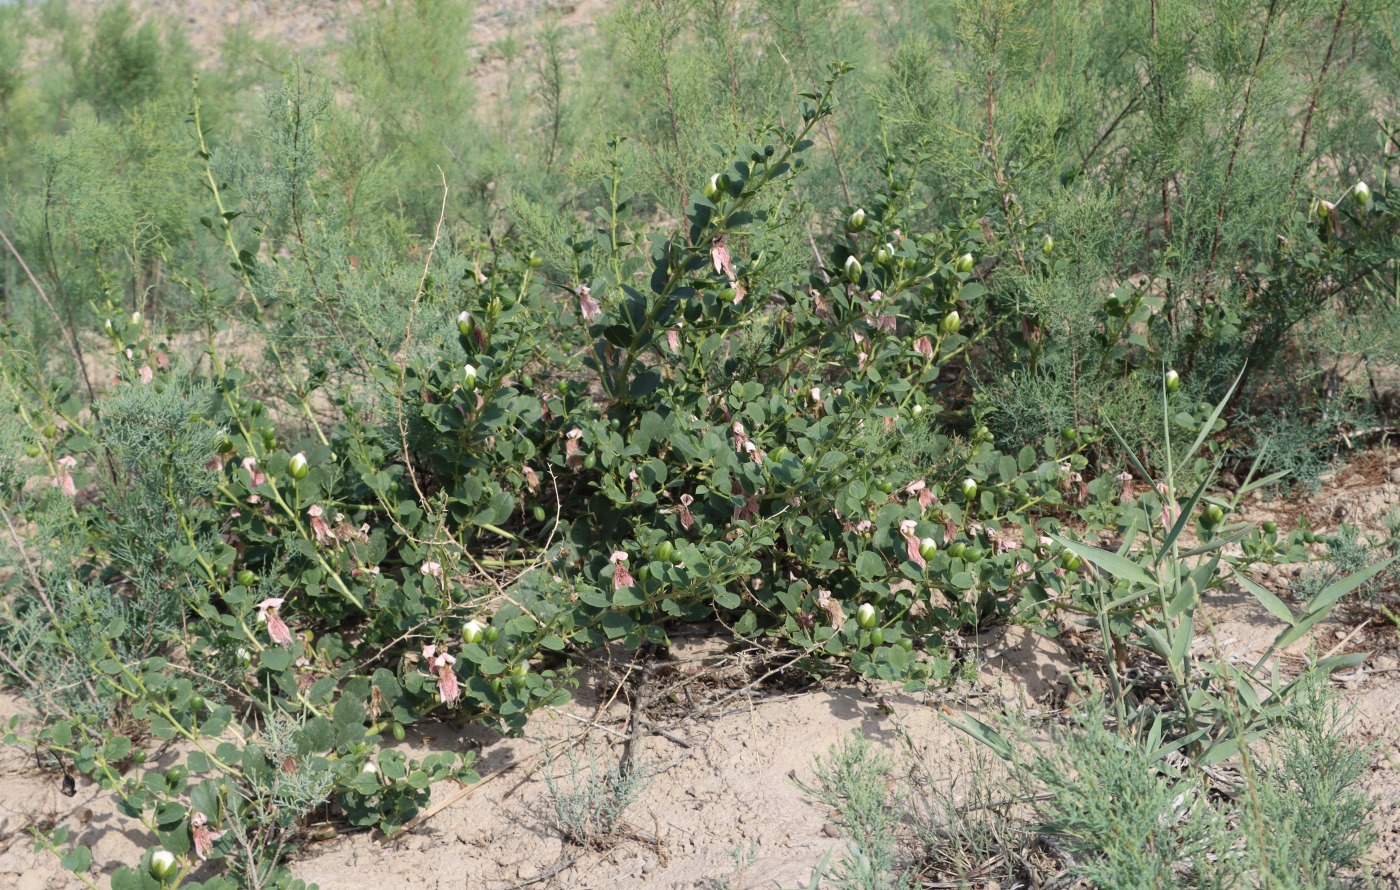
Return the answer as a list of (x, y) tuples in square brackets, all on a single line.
[(162, 865), (469, 376), (963, 263), (297, 467), (852, 268), (865, 616), (1361, 192), (856, 222), (712, 188), (464, 323), (473, 631)]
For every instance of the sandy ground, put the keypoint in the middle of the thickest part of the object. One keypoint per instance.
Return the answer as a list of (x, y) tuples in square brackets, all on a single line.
[(724, 807)]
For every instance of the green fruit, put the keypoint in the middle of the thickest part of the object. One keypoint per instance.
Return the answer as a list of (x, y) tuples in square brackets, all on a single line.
[(538, 512), (398, 731), (1270, 527), (664, 551), (957, 550), (1211, 515), (247, 578), (33, 450), (492, 634), (906, 644), (885, 486), (877, 637), (1069, 435), (590, 461)]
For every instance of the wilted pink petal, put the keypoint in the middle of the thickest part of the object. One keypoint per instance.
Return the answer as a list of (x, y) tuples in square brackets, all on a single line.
[(863, 527), (687, 520), (573, 451), (322, 530), (924, 346), (1125, 484), (886, 323), (1170, 511), (911, 543), (587, 306), (203, 837), (448, 690), (251, 465), (621, 577), (719, 256), (277, 629), (673, 340), (532, 480), (740, 437)]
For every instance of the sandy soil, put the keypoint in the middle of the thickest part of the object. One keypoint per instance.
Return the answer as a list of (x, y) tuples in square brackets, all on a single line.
[(724, 808)]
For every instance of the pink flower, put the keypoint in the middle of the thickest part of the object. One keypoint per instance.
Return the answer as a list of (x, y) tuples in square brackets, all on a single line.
[(911, 543), (277, 629), (621, 577), (162, 361), (203, 837), (431, 568), (146, 374), (1023, 568)]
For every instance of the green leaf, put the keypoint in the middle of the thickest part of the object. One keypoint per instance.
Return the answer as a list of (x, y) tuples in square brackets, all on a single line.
[(869, 565), (78, 860), (983, 734), (1112, 563), (275, 659), (1275, 606), (1333, 592)]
